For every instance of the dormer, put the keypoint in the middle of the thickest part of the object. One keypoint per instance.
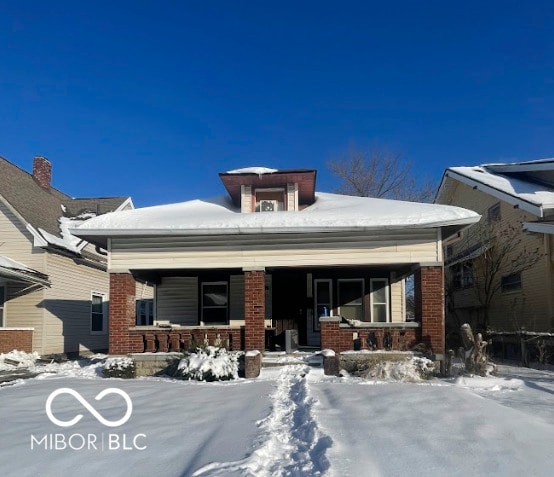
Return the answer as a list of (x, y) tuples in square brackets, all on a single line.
[(259, 189)]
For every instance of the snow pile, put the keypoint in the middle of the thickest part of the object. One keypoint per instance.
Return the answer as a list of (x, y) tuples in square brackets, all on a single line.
[(119, 367), (17, 360), (412, 370), (209, 364), (489, 383)]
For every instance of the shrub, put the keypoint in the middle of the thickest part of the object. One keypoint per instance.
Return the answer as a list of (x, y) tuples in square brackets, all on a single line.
[(119, 368), (209, 364)]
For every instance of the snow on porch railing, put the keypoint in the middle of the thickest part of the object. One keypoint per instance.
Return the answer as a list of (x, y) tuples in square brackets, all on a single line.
[(154, 339)]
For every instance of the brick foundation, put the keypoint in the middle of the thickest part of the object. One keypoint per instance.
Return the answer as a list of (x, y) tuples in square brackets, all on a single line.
[(16, 339), (429, 303), (122, 312), (254, 310)]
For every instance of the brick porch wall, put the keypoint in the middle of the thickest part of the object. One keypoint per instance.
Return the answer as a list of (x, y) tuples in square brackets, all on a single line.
[(16, 339), (254, 310), (341, 338), (122, 312), (429, 304)]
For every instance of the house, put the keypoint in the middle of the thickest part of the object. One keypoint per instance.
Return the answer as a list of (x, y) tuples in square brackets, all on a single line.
[(500, 274), (54, 288), (272, 256)]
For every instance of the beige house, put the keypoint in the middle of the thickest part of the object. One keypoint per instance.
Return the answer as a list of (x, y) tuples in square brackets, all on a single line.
[(54, 289), (500, 273), (274, 256)]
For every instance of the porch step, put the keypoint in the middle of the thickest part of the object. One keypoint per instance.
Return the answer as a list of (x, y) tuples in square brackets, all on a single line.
[(280, 358)]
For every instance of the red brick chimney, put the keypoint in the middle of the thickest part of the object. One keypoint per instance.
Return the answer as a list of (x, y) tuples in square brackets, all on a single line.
[(42, 171)]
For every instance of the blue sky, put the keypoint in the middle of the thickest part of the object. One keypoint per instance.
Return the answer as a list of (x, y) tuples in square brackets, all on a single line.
[(153, 99)]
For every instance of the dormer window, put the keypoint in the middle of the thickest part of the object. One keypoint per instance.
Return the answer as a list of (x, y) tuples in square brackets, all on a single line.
[(270, 200)]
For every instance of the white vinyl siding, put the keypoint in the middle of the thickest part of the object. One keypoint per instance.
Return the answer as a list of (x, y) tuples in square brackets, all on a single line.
[(67, 305), (289, 250), (177, 300)]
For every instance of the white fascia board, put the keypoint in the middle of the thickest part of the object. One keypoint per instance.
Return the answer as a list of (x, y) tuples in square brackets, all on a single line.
[(264, 230), (541, 228), (500, 195), (38, 239)]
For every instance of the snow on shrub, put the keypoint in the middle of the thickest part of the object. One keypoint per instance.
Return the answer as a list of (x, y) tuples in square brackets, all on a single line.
[(121, 367), (411, 370), (209, 364), (17, 359)]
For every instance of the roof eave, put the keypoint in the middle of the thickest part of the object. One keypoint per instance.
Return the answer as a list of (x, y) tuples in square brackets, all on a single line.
[(533, 208)]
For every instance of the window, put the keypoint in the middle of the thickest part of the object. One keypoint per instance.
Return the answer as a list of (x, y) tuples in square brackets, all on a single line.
[(449, 251), (98, 314), (323, 299), (145, 312), (462, 275), (2, 301), (511, 282), (493, 214), (214, 303), (351, 299), (379, 298)]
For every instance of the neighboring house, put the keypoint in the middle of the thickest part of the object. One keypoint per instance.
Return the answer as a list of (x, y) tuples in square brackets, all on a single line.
[(500, 274), (273, 255), (54, 288)]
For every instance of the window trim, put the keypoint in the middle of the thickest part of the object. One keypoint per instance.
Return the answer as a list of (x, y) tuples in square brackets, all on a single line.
[(317, 303), (463, 278), (351, 280), (149, 302), (104, 297), (372, 302), (513, 286), (494, 213), (202, 307)]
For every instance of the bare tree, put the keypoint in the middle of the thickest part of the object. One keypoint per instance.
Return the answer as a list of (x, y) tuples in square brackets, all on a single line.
[(494, 251), (379, 172)]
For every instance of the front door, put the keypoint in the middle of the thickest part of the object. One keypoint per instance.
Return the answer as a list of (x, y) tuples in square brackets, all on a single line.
[(289, 302)]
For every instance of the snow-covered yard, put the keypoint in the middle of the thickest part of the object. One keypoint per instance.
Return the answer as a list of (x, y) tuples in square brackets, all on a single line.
[(292, 421)]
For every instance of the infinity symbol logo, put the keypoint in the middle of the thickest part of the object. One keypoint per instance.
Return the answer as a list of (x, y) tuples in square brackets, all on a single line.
[(88, 407)]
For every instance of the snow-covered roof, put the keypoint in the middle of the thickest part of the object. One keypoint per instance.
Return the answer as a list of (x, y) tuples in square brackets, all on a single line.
[(329, 213), (12, 269), (514, 188), (253, 170)]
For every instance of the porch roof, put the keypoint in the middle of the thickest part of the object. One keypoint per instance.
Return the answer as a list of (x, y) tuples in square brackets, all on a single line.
[(15, 271), (329, 213)]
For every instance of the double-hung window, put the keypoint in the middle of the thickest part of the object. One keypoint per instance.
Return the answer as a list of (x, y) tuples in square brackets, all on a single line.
[(379, 298), (98, 314), (215, 303), (351, 298)]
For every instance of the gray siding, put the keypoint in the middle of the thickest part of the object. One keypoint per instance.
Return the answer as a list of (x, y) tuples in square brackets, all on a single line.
[(177, 300)]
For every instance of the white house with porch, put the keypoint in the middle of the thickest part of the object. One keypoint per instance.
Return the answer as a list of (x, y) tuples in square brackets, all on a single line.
[(274, 255)]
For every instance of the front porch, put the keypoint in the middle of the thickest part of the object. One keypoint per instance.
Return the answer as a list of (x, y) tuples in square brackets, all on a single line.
[(264, 304)]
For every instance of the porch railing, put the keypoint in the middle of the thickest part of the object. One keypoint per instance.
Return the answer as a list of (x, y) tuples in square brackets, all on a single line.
[(156, 339)]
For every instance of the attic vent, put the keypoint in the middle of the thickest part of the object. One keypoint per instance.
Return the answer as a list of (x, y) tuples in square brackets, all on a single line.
[(268, 205)]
